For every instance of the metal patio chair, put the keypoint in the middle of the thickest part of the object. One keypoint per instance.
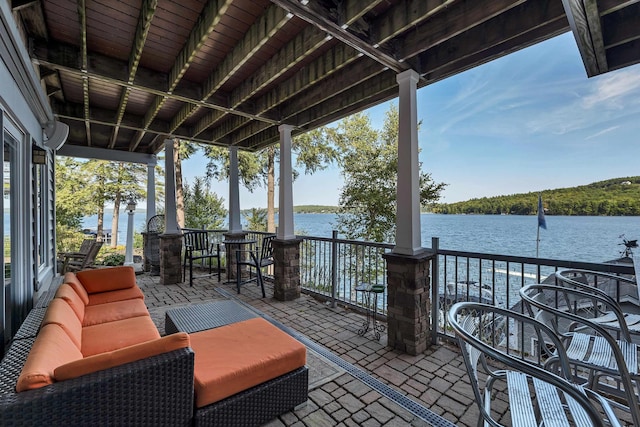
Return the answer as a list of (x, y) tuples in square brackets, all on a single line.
[(535, 396), (256, 260), (606, 285), (599, 361), (199, 247)]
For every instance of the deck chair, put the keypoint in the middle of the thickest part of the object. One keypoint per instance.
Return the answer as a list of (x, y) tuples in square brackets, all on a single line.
[(605, 285), (535, 396), (79, 261), (599, 361), (198, 246), (82, 250), (256, 260)]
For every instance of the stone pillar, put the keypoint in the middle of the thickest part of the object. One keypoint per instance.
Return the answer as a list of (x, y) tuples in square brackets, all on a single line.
[(230, 250), (146, 262), (408, 301), (170, 259), (286, 269)]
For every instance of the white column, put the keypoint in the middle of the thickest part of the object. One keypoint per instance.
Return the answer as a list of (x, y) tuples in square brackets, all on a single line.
[(151, 189), (128, 253), (285, 203), (408, 191), (235, 226), (170, 213)]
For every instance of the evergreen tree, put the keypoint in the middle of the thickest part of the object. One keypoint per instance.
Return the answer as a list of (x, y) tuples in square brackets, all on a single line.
[(202, 208)]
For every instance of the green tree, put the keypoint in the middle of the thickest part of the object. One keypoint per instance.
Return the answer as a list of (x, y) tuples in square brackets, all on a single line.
[(202, 208), (129, 180), (369, 162), (256, 219)]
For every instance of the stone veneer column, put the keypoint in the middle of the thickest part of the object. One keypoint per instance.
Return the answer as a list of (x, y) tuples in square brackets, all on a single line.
[(286, 269), (170, 259), (146, 262), (230, 250), (408, 301)]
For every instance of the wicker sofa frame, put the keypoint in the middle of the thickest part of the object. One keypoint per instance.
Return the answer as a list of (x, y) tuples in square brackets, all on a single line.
[(154, 391)]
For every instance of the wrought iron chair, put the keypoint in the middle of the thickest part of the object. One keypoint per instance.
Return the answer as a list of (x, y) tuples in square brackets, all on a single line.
[(483, 332), (256, 259), (605, 285), (198, 246), (599, 360), (79, 261)]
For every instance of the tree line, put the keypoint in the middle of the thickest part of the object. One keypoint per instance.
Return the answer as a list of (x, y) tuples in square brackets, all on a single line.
[(612, 197)]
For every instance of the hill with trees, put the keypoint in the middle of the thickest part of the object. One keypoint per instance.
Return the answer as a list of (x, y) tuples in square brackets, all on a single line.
[(613, 197)]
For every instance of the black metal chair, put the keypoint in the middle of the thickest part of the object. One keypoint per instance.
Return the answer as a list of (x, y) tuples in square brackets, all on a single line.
[(198, 246), (260, 258)]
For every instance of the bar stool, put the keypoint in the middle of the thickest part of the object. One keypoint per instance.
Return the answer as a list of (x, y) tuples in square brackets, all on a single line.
[(370, 299)]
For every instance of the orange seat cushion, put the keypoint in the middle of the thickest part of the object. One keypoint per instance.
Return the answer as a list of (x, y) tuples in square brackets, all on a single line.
[(52, 348), (113, 296), (107, 279), (236, 357), (129, 354), (118, 310), (114, 335)]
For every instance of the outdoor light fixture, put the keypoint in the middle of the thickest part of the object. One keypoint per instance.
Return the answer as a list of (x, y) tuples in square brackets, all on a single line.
[(131, 205), (38, 155)]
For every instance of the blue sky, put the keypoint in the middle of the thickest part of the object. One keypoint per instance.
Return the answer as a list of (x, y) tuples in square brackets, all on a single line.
[(530, 121)]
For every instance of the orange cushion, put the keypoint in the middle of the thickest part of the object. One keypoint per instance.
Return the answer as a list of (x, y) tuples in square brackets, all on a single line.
[(61, 313), (119, 295), (107, 279), (236, 357), (52, 348), (118, 310), (111, 336), (70, 296), (129, 354), (71, 280)]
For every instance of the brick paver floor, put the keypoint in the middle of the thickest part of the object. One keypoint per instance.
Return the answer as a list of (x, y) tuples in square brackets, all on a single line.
[(436, 379)]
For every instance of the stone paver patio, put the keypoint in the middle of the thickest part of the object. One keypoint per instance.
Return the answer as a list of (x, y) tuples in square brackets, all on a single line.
[(436, 379)]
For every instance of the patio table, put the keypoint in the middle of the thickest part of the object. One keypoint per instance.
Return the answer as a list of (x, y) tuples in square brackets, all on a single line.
[(200, 317)]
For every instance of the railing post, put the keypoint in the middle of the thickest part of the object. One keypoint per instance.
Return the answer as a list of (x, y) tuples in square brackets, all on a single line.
[(435, 280), (334, 267)]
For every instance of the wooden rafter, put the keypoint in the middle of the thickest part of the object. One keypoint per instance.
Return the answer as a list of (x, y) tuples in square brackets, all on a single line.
[(82, 14), (147, 13), (585, 25)]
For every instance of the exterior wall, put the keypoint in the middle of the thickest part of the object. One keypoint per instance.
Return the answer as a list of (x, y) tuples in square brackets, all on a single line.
[(24, 110)]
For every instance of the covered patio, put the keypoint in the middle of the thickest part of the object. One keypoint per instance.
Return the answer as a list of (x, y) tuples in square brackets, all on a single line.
[(124, 82)]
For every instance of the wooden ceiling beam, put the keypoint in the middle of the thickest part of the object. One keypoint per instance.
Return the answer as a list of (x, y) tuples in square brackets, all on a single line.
[(584, 21), (452, 22), (623, 55), (609, 6), (64, 58), (147, 12), (621, 31), (320, 20), (82, 15), (491, 33)]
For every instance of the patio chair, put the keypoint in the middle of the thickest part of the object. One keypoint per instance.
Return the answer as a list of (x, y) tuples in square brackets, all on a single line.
[(599, 360), (80, 261), (535, 396), (256, 260), (606, 285), (198, 246), (83, 249)]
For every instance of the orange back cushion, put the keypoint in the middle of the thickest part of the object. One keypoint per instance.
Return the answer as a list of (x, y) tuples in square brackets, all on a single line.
[(52, 348), (119, 357), (70, 296), (107, 279), (61, 313), (71, 280)]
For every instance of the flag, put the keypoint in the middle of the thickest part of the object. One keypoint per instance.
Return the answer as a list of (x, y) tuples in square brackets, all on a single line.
[(541, 221)]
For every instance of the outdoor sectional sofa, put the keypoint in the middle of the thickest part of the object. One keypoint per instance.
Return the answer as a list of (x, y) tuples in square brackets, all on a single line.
[(93, 356)]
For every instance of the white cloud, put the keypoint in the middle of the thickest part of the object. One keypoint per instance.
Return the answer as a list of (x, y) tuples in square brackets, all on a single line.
[(602, 132), (614, 90)]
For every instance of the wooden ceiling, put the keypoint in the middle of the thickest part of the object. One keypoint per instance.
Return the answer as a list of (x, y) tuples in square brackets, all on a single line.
[(125, 75)]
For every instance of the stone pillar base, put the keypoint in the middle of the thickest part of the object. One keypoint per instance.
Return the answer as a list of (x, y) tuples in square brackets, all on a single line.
[(286, 269), (146, 264), (408, 302), (230, 250), (170, 259)]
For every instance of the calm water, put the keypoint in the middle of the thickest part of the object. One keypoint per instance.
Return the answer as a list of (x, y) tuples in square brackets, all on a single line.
[(592, 239)]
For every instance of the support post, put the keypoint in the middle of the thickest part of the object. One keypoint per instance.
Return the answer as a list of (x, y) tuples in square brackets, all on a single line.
[(408, 239), (285, 202), (171, 240), (128, 253), (235, 225)]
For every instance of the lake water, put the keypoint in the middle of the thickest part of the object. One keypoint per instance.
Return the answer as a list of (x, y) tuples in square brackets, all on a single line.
[(591, 239)]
